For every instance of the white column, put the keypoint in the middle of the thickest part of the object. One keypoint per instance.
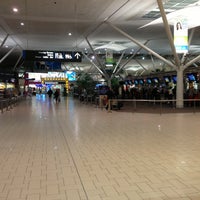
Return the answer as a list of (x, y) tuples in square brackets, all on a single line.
[(179, 88), (4, 40), (7, 54)]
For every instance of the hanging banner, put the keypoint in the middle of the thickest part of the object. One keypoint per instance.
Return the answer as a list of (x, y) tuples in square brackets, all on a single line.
[(109, 56), (181, 36)]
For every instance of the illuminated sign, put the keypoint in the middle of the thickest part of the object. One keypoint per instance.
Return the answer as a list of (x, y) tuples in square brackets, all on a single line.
[(36, 76), (71, 75), (181, 36), (2, 86), (56, 74), (50, 79), (65, 56)]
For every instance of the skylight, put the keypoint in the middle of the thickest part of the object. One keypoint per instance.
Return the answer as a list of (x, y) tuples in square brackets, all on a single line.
[(170, 6)]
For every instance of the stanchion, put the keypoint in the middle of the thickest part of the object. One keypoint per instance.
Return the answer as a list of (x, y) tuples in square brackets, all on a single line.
[(135, 105), (109, 106), (194, 107), (1, 104), (7, 105)]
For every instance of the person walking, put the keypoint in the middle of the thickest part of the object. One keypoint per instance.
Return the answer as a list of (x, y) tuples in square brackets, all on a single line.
[(50, 92), (57, 96)]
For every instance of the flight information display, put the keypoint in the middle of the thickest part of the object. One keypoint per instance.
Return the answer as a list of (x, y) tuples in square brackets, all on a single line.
[(65, 56)]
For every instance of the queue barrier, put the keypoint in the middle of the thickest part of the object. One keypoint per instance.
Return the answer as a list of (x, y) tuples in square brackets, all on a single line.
[(160, 106), (7, 104)]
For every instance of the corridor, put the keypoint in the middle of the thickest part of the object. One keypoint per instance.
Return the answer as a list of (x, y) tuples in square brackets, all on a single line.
[(76, 151)]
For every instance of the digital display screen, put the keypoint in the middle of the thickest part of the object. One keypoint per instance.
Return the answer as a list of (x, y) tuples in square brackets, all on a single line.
[(141, 81), (136, 82), (167, 79), (155, 80), (149, 81), (174, 78), (191, 77)]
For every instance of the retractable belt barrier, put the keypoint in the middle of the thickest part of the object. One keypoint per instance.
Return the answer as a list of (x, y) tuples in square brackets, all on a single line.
[(8, 103), (162, 105)]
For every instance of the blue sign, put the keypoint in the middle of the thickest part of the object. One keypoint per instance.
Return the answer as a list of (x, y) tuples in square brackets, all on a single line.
[(71, 75)]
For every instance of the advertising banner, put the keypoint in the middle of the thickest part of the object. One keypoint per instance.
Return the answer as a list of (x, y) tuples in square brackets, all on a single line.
[(181, 36)]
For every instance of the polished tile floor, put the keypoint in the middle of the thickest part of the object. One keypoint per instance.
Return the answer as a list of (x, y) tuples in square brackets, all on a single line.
[(76, 151)]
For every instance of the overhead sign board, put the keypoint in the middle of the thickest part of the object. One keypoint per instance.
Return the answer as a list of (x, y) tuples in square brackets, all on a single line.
[(63, 56)]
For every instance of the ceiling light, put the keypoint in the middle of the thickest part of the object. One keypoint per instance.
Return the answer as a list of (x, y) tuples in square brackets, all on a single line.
[(15, 10), (22, 23), (69, 34)]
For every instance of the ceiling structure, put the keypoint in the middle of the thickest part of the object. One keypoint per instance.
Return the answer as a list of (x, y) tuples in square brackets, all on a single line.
[(77, 25)]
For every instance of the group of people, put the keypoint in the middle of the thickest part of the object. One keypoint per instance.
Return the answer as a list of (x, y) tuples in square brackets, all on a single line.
[(56, 94)]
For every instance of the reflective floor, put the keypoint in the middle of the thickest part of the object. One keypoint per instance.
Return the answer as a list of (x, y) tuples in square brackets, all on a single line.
[(76, 151)]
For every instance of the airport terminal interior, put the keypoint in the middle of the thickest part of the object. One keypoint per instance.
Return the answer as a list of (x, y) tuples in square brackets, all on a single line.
[(99, 100)]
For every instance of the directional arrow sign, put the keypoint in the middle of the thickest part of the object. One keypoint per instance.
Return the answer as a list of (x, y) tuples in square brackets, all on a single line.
[(61, 56), (77, 55)]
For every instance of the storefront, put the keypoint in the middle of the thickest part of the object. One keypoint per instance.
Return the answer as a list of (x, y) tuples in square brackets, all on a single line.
[(40, 83)]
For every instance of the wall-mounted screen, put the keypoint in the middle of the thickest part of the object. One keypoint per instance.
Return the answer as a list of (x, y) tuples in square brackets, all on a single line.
[(148, 81), (141, 81), (166, 79), (155, 80), (174, 78), (136, 82), (191, 77)]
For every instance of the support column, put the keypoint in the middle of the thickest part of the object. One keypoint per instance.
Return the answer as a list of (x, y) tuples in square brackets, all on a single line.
[(180, 88), (93, 64), (17, 62), (109, 82), (118, 63), (168, 31), (98, 61), (141, 45), (141, 64), (4, 40), (127, 61), (11, 50)]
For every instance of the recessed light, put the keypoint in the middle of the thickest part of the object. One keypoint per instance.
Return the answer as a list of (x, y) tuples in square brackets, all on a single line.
[(22, 23), (69, 34), (15, 9)]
